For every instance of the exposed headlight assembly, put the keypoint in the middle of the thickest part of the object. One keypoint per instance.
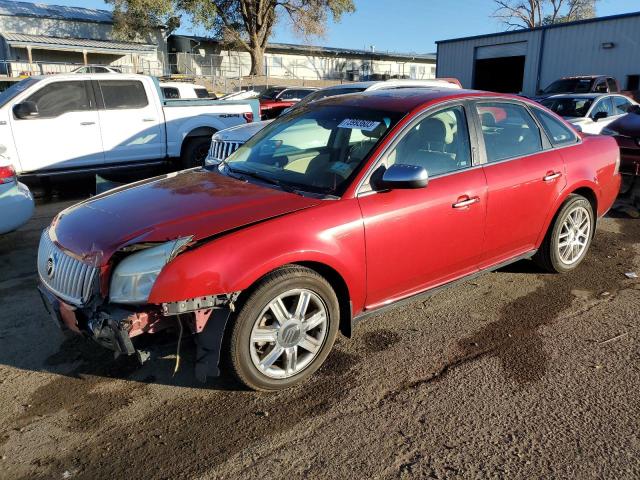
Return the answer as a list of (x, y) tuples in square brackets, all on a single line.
[(133, 278)]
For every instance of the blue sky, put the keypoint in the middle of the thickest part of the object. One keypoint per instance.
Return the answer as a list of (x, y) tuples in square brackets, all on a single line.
[(401, 25)]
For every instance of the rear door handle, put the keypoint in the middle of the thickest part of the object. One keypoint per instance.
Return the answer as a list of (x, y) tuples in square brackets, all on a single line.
[(551, 176), (465, 202), (148, 119), (87, 123)]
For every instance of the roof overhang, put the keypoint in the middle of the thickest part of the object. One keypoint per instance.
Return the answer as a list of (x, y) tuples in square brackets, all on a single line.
[(19, 40)]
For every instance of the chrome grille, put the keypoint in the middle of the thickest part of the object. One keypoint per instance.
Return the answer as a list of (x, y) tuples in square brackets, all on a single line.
[(221, 149), (66, 277)]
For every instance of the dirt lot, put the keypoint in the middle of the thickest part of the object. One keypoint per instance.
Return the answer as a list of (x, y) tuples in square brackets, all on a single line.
[(516, 374)]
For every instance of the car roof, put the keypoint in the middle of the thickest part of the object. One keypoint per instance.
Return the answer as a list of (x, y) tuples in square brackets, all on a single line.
[(578, 77), (180, 84), (404, 99), (591, 96)]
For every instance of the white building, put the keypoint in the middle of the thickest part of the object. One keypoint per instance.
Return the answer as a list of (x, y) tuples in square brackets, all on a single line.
[(41, 39), (527, 60), (200, 56)]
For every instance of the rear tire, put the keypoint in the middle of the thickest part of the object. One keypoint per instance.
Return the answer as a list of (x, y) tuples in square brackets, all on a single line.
[(568, 240), (284, 330), (195, 152)]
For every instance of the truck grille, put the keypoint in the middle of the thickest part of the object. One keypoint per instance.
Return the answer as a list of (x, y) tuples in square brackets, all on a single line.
[(221, 149), (68, 278)]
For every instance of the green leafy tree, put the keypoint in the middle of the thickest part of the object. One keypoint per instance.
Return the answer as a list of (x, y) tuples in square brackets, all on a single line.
[(244, 24)]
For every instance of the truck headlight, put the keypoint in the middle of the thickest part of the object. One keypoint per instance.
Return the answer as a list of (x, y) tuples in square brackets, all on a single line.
[(133, 278)]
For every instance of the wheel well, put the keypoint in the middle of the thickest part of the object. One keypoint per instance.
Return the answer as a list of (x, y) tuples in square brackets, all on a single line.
[(341, 289), (198, 132), (590, 195)]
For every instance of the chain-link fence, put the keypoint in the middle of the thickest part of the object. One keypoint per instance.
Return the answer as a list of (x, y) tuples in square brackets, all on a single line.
[(21, 68)]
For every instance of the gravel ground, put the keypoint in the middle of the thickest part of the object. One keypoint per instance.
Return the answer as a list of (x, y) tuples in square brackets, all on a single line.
[(516, 374)]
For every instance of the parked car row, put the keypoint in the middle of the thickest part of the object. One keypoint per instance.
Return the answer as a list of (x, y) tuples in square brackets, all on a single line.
[(339, 209)]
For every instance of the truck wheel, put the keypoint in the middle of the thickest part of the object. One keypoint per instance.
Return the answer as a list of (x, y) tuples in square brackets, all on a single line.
[(285, 329), (569, 238), (195, 152)]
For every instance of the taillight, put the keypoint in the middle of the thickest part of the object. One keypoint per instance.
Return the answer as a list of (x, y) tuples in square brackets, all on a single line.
[(7, 174), (248, 117)]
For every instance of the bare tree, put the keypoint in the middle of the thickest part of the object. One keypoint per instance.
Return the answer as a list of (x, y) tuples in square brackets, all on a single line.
[(245, 24), (516, 14)]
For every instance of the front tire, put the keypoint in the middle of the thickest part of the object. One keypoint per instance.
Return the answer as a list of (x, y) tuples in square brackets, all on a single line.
[(284, 330), (568, 240)]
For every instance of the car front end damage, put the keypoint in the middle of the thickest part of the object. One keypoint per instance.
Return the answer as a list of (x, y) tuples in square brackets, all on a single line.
[(73, 291)]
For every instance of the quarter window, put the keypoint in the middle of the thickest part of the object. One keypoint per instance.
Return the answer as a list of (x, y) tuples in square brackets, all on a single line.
[(59, 98), (123, 94), (439, 143), (509, 131), (558, 132)]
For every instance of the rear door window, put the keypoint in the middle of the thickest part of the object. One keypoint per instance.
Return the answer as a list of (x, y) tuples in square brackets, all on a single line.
[(170, 93), (603, 105), (59, 98), (621, 105), (508, 130), (123, 94), (201, 93)]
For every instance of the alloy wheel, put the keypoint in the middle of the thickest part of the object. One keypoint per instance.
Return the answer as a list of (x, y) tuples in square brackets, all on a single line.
[(289, 333), (574, 235)]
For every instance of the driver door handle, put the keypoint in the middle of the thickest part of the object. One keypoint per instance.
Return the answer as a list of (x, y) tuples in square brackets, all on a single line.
[(465, 202), (84, 124), (551, 176)]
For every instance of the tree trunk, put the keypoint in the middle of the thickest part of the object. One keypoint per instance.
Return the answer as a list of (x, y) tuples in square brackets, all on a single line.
[(257, 60)]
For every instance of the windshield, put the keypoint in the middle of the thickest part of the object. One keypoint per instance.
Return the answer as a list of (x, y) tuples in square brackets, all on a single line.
[(569, 107), (316, 150), (570, 85), (270, 93), (15, 89)]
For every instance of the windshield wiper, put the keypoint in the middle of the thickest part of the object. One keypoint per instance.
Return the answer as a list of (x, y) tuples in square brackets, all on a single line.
[(263, 178)]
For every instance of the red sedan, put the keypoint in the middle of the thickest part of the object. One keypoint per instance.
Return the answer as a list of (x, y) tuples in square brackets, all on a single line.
[(338, 210), (275, 100)]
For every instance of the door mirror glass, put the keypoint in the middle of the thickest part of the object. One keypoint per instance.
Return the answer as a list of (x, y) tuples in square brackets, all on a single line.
[(599, 116), (634, 109), (25, 110), (402, 176)]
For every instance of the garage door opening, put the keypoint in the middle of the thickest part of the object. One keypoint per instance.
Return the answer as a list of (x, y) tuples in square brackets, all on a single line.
[(504, 75)]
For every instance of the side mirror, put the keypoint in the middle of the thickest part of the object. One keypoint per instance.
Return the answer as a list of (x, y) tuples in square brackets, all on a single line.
[(401, 176), (539, 91), (576, 127), (634, 109), (25, 110), (599, 116)]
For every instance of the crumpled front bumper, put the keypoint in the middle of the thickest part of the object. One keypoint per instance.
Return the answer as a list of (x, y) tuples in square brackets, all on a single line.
[(111, 327)]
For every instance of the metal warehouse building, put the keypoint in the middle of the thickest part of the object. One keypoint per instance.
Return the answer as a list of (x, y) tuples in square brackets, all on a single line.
[(524, 61)]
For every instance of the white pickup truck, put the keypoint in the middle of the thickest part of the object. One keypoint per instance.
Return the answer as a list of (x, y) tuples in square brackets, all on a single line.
[(90, 122)]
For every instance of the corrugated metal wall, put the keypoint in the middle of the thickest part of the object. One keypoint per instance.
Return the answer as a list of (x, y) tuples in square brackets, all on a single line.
[(568, 50), (577, 50)]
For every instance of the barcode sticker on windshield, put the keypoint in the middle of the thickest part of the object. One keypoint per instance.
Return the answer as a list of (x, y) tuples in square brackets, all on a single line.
[(355, 124)]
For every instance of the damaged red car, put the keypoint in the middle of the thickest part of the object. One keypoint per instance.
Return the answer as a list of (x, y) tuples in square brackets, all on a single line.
[(338, 210)]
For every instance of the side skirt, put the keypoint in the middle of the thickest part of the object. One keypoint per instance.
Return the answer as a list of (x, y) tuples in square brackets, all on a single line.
[(427, 293)]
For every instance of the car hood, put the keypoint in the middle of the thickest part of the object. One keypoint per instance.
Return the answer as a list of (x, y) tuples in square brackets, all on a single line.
[(241, 133), (629, 125), (193, 203)]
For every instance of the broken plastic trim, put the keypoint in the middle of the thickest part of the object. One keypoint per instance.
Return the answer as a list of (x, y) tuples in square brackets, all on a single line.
[(200, 303)]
